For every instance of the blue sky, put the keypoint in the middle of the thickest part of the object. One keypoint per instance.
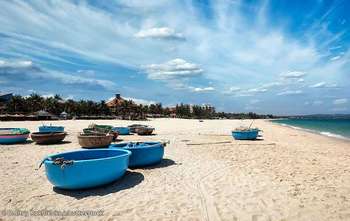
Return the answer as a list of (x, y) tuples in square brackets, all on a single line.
[(280, 57)]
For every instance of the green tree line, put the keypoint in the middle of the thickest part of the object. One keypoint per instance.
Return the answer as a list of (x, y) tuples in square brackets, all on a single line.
[(56, 105)]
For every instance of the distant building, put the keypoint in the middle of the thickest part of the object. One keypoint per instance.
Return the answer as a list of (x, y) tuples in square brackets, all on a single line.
[(64, 115), (44, 115), (114, 103)]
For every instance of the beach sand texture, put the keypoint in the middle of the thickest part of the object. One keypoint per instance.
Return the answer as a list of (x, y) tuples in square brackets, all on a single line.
[(205, 175)]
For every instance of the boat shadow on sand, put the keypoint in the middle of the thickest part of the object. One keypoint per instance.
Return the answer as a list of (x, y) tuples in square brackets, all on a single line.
[(50, 144), (21, 143), (164, 163), (129, 180)]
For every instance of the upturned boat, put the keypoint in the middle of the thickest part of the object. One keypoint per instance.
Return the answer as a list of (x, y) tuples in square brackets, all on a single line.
[(95, 141), (51, 128), (13, 135), (48, 137), (143, 153), (86, 168)]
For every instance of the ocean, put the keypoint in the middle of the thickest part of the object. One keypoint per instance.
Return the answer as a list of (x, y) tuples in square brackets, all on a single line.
[(339, 128)]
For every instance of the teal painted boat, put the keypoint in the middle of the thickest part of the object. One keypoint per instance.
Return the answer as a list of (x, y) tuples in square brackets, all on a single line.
[(83, 169), (13, 135)]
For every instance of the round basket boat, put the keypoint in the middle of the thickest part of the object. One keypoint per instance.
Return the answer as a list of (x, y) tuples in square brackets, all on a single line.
[(144, 130), (95, 141), (51, 129), (48, 137), (143, 153), (86, 168), (250, 134), (13, 135), (122, 130)]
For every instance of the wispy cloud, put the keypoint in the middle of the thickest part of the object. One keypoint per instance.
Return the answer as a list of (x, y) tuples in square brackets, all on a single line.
[(293, 75), (14, 69), (289, 92), (323, 85)]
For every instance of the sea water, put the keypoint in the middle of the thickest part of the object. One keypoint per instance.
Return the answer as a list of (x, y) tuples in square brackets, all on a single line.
[(339, 128)]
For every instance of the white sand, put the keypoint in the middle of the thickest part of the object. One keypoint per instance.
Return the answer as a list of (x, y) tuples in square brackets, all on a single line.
[(206, 175)]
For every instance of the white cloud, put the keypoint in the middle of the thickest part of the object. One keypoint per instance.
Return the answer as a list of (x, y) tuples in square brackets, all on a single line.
[(293, 75), (15, 64), (176, 68), (335, 58), (162, 32), (340, 101), (204, 89), (323, 85), (290, 92), (257, 90), (318, 85), (140, 101), (232, 90)]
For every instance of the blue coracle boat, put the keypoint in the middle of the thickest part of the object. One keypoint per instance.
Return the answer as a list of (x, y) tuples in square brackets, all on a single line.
[(250, 134), (51, 129), (122, 130), (13, 135), (86, 168), (143, 153)]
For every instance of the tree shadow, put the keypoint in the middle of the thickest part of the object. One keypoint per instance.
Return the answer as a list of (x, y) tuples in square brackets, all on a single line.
[(164, 163), (129, 180)]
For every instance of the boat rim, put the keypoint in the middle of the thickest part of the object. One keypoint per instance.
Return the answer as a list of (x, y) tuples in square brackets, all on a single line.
[(154, 143), (126, 153)]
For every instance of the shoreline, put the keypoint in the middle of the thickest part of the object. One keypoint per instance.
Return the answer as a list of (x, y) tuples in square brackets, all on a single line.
[(322, 133)]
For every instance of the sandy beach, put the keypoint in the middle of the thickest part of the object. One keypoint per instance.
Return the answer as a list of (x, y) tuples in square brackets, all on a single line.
[(205, 175)]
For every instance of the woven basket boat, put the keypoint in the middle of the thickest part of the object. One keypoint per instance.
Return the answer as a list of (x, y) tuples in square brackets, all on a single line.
[(83, 169), (48, 137), (95, 141), (144, 130), (13, 135)]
